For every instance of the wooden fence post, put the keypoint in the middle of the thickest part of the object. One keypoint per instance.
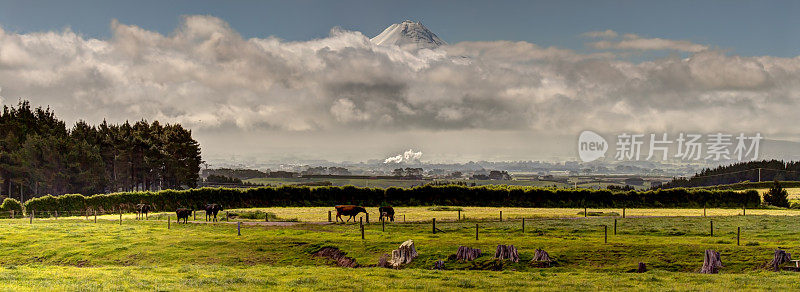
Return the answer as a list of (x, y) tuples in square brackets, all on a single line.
[(476, 231), (434, 225), (120, 216), (738, 230), (239, 228), (329, 216), (169, 219), (623, 212), (615, 226), (704, 210), (194, 215), (459, 215), (744, 212), (266, 216), (227, 216), (404, 218), (383, 224), (523, 225), (605, 233), (585, 213), (501, 216), (712, 227), (361, 224)]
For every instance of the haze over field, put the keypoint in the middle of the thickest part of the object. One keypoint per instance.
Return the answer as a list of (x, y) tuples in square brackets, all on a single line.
[(347, 97)]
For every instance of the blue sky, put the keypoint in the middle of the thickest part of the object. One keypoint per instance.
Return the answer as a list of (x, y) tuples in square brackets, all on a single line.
[(748, 28)]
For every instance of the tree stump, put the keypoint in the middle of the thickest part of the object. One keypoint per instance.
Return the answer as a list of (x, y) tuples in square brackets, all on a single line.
[(383, 262), (711, 262), (642, 268), (541, 256), (439, 265), (507, 252), (404, 254), (467, 254), (780, 258)]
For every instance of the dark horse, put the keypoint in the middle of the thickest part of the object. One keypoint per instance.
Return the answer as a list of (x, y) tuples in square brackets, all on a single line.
[(348, 210), (386, 211), (142, 210), (184, 214), (212, 210)]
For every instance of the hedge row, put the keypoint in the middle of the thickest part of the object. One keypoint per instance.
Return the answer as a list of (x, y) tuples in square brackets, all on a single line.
[(510, 196)]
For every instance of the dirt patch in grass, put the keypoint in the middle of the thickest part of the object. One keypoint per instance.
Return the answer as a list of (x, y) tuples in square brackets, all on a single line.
[(339, 257)]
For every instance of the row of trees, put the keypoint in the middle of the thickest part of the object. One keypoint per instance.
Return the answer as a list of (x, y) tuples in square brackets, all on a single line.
[(40, 155), (753, 171), (501, 196)]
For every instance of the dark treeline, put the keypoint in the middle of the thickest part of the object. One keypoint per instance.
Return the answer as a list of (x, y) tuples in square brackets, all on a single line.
[(740, 172), (242, 174), (40, 155), (499, 196)]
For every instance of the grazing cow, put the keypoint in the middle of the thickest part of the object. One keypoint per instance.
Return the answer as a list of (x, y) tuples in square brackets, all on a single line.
[(184, 214), (386, 211), (212, 210), (348, 210), (142, 210)]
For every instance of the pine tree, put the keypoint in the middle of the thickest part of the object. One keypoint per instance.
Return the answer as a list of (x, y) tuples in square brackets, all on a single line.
[(777, 196)]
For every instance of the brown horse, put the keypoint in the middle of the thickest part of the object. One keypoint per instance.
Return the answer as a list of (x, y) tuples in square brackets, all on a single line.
[(348, 210), (211, 211), (184, 214), (142, 210), (386, 211)]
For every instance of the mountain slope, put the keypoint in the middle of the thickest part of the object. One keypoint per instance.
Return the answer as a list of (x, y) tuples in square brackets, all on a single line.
[(408, 35)]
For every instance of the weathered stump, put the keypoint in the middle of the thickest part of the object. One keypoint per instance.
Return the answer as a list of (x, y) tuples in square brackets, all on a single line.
[(439, 265), (780, 258), (467, 254), (541, 257), (507, 252), (404, 254), (642, 268), (711, 262), (383, 262)]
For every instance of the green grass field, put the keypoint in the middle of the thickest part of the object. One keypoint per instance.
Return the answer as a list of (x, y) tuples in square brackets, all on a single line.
[(76, 254)]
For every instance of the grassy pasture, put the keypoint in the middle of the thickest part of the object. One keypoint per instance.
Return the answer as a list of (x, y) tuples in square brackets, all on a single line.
[(794, 193), (415, 214), (76, 254)]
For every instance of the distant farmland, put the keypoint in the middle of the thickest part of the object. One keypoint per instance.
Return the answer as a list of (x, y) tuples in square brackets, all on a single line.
[(406, 183)]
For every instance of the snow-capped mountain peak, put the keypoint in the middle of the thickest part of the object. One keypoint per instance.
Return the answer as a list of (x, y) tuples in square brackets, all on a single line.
[(408, 35)]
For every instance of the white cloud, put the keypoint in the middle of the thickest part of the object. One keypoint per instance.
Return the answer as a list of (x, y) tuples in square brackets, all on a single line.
[(605, 34), (206, 76), (635, 42)]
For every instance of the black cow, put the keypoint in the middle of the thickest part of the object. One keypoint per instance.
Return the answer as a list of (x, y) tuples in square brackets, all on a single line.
[(348, 210), (184, 214), (142, 210), (212, 210), (386, 211)]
